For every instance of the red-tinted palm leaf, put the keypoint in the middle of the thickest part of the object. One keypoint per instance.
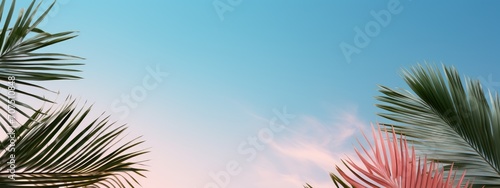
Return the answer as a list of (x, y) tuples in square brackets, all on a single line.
[(389, 162)]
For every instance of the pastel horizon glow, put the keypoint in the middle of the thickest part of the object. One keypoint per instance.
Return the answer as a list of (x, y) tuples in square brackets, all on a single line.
[(212, 85)]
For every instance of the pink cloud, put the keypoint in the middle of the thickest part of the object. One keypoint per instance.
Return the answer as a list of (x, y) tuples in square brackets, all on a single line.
[(305, 153)]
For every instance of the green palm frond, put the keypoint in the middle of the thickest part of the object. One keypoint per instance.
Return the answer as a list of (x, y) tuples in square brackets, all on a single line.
[(20, 41), (447, 121), (66, 149), (339, 181)]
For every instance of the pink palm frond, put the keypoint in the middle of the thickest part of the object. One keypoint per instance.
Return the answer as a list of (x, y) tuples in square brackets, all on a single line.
[(390, 162)]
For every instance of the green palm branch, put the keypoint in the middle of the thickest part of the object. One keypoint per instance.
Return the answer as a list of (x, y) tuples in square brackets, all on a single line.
[(20, 41), (60, 148), (447, 121), (65, 151)]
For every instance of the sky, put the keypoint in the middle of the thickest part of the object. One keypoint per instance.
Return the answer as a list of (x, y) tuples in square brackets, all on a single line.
[(238, 93)]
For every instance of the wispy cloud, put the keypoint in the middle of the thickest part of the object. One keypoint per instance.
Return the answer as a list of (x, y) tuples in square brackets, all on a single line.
[(307, 152)]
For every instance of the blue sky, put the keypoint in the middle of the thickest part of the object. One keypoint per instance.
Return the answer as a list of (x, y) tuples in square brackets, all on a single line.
[(225, 77)]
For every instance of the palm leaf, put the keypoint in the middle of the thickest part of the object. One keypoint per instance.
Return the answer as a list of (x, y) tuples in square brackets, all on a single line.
[(447, 121), (65, 151), (390, 162), (19, 57)]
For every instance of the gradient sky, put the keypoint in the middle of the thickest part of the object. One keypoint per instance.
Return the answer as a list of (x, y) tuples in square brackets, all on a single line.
[(226, 78)]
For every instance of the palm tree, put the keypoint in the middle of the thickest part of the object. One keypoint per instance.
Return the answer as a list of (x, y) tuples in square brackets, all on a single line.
[(58, 147), (447, 121)]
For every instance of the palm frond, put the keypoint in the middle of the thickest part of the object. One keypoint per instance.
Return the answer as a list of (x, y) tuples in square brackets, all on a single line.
[(447, 121), (20, 40), (61, 149), (390, 162), (338, 181)]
